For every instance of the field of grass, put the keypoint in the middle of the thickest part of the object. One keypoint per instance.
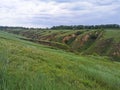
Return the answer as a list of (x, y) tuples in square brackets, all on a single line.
[(97, 41), (28, 66), (112, 34)]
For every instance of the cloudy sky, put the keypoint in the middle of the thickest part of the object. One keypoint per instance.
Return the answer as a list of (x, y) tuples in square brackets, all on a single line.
[(47, 13)]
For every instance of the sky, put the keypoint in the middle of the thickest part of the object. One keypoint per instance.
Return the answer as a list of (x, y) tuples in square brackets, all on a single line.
[(47, 13)]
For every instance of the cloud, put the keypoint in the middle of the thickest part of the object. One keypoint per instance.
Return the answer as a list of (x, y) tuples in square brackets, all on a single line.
[(56, 12)]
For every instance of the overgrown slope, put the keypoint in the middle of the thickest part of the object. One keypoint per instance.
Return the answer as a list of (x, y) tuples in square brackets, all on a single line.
[(101, 42), (28, 66)]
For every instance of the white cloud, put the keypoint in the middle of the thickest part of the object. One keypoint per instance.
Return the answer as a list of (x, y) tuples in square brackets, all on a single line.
[(26, 12)]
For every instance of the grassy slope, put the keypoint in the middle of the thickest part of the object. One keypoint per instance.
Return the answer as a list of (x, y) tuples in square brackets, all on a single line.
[(108, 43), (28, 66), (112, 34)]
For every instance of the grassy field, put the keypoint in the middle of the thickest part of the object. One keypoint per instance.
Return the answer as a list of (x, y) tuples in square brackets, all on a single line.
[(112, 34), (28, 66), (103, 42)]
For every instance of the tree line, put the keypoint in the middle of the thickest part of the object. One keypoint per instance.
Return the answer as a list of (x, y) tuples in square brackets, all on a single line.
[(61, 27), (17, 28), (74, 27)]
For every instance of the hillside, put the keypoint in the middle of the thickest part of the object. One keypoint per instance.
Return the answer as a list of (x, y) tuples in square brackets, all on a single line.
[(89, 42), (26, 65)]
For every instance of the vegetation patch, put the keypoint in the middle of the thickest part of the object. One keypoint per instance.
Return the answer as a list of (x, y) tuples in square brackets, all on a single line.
[(26, 65)]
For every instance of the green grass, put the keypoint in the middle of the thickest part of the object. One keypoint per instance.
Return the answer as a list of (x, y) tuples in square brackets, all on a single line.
[(112, 34), (28, 66)]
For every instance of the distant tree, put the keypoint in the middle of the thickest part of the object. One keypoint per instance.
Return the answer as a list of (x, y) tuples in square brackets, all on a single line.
[(61, 27), (75, 27)]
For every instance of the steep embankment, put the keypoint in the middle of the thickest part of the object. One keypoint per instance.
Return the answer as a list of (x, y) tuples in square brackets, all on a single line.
[(102, 42), (28, 66)]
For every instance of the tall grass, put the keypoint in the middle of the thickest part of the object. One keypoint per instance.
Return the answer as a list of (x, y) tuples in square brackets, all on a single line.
[(28, 66), (3, 68)]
